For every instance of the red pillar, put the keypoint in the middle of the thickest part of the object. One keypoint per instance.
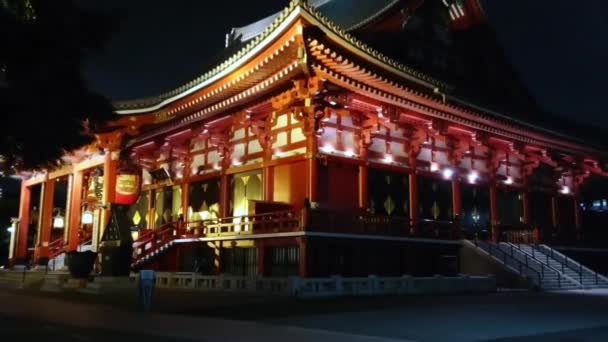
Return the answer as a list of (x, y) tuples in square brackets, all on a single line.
[(456, 207), (494, 211), (312, 168), (268, 183), (24, 221), (413, 187), (46, 220), (363, 179), (75, 211), (224, 195), (110, 167)]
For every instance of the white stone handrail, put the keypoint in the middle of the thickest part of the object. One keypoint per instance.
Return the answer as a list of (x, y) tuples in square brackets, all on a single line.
[(327, 287)]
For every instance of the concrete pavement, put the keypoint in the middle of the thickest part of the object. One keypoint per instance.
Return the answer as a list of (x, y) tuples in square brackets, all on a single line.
[(89, 316)]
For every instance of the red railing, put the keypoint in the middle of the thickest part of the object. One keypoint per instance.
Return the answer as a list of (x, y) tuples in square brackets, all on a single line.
[(320, 220), (151, 240), (274, 222), (56, 247)]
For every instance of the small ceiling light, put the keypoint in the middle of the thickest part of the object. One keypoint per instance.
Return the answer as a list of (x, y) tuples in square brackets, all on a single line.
[(509, 180), (473, 175), (434, 167), (349, 153), (388, 158), (447, 173), (565, 190), (10, 229), (333, 103)]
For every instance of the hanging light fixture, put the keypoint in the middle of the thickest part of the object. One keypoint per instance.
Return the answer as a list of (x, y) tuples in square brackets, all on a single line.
[(87, 217), (58, 221)]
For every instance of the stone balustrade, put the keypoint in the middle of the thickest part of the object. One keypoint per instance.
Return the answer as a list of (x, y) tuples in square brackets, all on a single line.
[(327, 287)]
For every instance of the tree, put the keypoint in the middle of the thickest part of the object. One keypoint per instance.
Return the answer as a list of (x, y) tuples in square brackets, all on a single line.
[(46, 107)]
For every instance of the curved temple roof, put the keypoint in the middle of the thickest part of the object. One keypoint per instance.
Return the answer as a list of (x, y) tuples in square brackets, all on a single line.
[(260, 31)]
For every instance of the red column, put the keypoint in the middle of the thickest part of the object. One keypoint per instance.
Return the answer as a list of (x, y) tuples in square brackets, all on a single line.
[(185, 200), (456, 207), (312, 168), (224, 195), (268, 183), (75, 211), (363, 179), (109, 187), (413, 187), (46, 220), (494, 211), (24, 221)]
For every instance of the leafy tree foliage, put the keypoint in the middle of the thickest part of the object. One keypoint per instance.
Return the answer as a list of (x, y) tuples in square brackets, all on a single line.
[(46, 106)]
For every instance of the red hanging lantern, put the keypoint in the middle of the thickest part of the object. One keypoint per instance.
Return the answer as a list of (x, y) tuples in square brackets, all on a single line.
[(128, 186)]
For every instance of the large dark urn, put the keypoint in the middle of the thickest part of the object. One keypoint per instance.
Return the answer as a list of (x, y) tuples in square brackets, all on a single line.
[(80, 264), (116, 245)]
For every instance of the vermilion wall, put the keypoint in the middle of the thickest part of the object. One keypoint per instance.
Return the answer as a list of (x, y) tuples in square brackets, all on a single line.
[(290, 183), (338, 186)]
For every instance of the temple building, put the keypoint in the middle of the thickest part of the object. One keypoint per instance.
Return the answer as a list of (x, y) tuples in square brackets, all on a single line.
[(330, 139)]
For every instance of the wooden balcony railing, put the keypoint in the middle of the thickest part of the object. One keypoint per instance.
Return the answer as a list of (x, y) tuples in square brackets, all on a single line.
[(274, 222), (346, 222)]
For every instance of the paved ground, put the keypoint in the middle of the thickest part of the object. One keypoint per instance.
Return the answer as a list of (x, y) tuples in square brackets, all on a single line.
[(501, 317), (512, 316)]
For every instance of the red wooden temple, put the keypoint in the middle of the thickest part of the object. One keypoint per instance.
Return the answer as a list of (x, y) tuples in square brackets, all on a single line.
[(325, 144)]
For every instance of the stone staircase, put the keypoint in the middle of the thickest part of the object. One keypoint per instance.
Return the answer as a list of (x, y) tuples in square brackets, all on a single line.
[(543, 266), (583, 276), (552, 278)]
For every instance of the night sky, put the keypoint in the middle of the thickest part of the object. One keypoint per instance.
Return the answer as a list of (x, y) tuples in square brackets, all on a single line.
[(559, 47)]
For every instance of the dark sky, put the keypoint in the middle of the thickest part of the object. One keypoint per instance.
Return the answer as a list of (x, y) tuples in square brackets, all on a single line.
[(559, 47)]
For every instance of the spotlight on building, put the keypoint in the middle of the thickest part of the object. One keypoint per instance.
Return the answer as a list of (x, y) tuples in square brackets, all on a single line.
[(10, 229), (328, 148), (349, 153), (388, 158), (473, 176), (565, 190), (447, 173), (509, 180), (434, 166)]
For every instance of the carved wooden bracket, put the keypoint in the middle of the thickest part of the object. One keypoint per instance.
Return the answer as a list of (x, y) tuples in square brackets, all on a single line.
[(459, 146)]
